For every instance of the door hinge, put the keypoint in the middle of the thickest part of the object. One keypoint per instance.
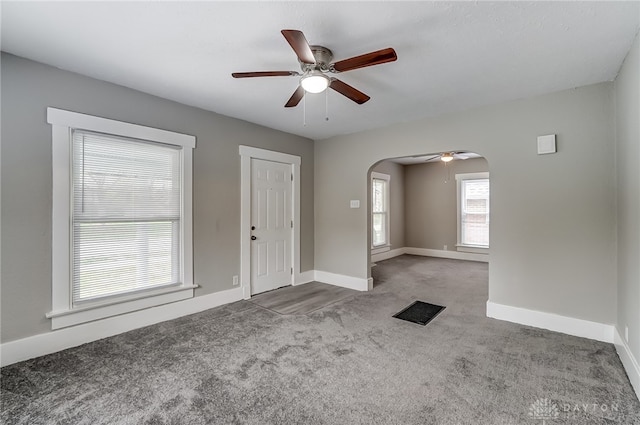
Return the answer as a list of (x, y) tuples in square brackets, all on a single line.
[(292, 224), (291, 270), (291, 177)]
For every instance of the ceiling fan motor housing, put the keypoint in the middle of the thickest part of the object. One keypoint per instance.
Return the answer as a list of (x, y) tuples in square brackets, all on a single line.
[(323, 58)]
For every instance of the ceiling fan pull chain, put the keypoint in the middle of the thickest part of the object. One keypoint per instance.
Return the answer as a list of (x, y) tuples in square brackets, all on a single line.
[(304, 111), (326, 105)]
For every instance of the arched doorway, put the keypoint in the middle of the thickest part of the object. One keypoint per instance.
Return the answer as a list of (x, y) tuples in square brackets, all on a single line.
[(433, 205)]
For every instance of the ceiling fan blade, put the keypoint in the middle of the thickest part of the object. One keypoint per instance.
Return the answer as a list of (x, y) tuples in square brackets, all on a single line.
[(299, 45), (264, 74), (368, 59), (348, 91), (433, 158), (295, 98)]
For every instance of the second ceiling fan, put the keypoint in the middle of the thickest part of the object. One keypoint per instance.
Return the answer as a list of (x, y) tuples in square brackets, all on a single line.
[(450, 156), (315, 64)]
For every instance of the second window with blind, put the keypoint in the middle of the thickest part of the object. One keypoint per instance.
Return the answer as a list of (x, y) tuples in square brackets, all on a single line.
[(380, 221), (473, 212)]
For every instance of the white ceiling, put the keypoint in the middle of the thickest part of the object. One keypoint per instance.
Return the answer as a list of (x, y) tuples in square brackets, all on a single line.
[(451, 55)]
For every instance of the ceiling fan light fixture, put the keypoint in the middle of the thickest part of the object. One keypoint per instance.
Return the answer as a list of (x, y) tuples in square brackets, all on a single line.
[(314, 82), (446, 157)]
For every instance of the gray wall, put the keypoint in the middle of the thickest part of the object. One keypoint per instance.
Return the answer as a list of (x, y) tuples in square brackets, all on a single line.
[(431, 208), (397, 201), (28, 88), (627, 92), (553, 236)]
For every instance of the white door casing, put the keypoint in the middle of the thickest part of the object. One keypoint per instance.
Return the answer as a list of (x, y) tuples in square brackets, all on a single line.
[(292, 162), (271, 225)]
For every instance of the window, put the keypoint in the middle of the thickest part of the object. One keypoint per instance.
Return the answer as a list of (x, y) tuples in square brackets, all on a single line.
[(121, 217), (126, 216), (473, 211), (380, 210)]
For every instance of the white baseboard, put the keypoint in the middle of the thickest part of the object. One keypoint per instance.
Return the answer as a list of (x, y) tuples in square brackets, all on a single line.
[(454, 255), (305, 277), (426, 252), (61, 339), (553, 322), (629, 362), (357, 283), (387, 254)]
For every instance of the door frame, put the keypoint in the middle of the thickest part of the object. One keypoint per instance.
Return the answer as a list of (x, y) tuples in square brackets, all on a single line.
[(247, 153)]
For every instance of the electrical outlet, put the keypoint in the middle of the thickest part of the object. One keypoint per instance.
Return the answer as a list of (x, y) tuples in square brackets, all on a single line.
[(626, 333), (235, 281), (445, 247)]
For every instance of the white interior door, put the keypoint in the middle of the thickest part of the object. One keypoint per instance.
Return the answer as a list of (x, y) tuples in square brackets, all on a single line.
[(271, 225)]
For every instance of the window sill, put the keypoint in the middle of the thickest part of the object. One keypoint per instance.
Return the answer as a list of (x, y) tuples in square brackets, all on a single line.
[(380, 249), (473, 249), (76, 316)]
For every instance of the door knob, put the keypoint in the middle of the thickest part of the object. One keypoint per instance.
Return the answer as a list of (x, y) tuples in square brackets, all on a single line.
[(253, 238)]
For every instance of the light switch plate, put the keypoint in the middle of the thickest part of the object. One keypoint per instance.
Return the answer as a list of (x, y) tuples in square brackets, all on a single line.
[(546, 144), (355, 203)]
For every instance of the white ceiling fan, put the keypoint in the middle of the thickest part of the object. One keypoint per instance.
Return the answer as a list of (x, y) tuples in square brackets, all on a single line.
[(451, 156)]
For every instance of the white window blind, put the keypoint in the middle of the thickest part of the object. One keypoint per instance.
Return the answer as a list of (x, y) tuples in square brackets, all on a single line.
[(379, 212), (474, 214), (126, 216)]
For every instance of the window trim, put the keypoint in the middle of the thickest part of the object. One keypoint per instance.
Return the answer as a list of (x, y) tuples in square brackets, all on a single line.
[(377, 249), (63, 313), (478, 249)]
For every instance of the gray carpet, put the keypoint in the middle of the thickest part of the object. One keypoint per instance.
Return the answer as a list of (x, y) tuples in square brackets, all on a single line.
[(348, 363)]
